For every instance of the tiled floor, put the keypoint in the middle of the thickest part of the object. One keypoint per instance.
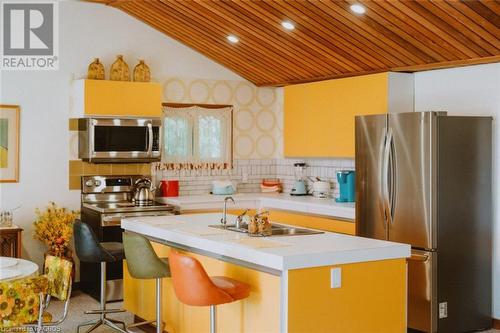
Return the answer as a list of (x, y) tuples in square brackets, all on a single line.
[(81, 302)]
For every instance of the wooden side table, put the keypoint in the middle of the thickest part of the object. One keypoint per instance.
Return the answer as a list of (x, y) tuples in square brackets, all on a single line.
[(10, 241)]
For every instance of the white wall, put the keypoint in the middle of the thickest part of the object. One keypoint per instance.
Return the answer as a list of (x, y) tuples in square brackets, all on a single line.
[(86, 31), (471, 90)]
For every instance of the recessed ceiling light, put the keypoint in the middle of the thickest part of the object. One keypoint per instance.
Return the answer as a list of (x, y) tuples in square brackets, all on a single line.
[(233, 39), (288, 25), (358, 9)]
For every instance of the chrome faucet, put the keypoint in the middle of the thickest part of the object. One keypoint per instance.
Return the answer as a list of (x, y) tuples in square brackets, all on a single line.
[(223, 220)]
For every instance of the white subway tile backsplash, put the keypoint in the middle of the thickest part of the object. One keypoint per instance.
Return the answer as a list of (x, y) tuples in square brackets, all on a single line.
[(198, 182)]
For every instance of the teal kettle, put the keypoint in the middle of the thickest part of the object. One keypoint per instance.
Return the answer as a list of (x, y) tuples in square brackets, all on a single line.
[(347, 186)]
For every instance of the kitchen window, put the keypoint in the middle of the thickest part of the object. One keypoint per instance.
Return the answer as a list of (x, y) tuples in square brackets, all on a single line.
[(197, 136)]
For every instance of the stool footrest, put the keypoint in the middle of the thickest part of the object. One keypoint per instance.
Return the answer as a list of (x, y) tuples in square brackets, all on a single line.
[(104, 311), (142, 323)]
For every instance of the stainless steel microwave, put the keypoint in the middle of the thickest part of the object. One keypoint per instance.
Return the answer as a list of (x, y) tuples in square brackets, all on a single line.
[(115, 140)]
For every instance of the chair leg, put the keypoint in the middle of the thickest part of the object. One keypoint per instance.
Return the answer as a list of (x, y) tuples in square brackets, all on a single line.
[(158, 322), (103, 290), (213, 319), (102, 312), (159, 325)]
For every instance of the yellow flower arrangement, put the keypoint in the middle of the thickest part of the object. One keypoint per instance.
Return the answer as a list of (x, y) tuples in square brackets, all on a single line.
[(54, 227)]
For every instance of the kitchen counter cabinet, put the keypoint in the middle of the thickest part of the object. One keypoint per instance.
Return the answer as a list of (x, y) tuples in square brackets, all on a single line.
[(290, 285), (319, 116)]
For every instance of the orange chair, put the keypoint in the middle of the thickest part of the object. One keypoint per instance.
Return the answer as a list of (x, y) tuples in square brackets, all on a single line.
[(193, 286)]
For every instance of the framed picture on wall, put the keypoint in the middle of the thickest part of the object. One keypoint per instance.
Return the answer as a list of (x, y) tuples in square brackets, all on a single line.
[(9, 143)]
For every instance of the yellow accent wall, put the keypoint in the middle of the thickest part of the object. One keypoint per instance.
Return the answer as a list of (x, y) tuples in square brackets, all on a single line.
[(314, 222), (371, 299), (110, 98), (319, 116)]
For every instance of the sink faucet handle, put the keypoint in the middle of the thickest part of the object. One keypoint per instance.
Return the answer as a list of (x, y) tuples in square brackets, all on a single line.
[(243, 214)]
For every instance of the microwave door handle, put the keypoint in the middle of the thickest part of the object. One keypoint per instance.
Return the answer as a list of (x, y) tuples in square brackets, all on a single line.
[(150, 139)]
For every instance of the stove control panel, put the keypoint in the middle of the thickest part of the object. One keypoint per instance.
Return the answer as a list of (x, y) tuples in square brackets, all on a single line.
[(109, 184)]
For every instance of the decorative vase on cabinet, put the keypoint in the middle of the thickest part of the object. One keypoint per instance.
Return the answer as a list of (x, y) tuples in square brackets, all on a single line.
[(142, 72), (119, 70), (96, 70)]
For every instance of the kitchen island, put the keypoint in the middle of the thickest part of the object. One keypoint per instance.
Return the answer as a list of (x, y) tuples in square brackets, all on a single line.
[(314, 283)]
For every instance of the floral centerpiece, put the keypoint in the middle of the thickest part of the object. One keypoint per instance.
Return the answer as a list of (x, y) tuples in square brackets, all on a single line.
[(54, 227)]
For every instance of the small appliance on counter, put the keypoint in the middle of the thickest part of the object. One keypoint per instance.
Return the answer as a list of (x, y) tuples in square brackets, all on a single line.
[(321, 189), (299, 186), (223, 187), (347, 186), (169, 188), (271, 186)]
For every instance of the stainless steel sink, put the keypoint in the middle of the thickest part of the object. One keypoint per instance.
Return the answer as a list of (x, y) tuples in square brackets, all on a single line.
[(276, 230)]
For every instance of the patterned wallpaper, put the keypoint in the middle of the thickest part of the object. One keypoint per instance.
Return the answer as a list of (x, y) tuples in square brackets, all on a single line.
[(258, 112)]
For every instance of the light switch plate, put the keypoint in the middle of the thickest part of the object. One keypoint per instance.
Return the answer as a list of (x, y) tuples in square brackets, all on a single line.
[(336, 277)]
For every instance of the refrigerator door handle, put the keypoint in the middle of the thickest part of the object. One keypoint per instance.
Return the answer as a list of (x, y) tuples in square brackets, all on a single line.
[(383, 170), (385, 177), (392, 174), (419, 257)]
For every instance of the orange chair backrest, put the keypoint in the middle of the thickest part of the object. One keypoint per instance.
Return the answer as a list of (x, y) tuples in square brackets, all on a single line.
[(191, 283)]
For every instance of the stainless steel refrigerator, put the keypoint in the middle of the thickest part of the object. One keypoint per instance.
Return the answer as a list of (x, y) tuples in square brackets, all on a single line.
[(424, 178)]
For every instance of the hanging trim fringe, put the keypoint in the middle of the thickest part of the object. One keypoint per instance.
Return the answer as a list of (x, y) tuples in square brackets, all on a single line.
[(192, 166)]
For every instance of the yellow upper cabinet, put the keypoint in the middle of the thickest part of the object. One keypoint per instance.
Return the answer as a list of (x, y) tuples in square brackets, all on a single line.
[(117, 98), (319, 116)]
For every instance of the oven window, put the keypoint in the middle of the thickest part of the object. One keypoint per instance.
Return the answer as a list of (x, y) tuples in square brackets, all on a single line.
[(120, 138)]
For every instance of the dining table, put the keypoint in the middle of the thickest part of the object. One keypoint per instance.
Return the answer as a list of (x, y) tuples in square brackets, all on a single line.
[(16, 268)]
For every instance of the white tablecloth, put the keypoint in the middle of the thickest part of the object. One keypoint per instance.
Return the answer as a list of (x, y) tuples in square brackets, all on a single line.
[(23, 268)]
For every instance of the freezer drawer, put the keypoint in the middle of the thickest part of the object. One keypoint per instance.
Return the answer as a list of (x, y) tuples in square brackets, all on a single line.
[(422, 291)]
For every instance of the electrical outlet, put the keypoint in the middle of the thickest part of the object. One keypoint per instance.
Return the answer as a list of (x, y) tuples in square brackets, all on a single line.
[(336, 277), (443, 310)]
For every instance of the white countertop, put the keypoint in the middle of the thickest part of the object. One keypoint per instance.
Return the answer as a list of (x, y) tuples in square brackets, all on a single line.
[(303, 204), (292, 252)]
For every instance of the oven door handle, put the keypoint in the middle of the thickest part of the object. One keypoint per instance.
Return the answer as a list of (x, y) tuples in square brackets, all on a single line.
[(112, 220)]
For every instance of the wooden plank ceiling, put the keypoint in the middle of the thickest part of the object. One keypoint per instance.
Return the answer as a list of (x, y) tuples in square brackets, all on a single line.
[(329, 40)]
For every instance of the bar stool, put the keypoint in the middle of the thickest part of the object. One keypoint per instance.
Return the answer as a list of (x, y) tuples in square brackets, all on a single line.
[(89, 249), (193, 286), (143, 263)]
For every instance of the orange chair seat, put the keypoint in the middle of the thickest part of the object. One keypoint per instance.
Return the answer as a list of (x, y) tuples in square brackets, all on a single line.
[(236, 289)]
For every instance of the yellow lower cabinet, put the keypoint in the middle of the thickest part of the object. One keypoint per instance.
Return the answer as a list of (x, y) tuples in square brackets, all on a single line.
[(314, 222), (259, 313), (371, 299)]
